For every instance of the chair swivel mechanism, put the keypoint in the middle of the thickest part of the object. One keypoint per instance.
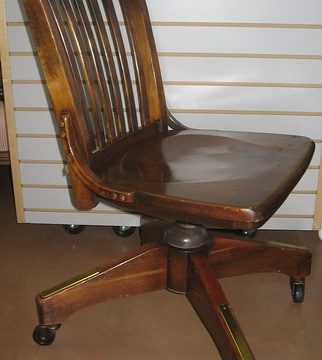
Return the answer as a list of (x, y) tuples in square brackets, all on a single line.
[(122, 144)]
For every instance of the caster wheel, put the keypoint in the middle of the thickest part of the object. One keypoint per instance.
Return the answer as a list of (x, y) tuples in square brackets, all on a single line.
[(247, 234), (74, 229), (142, 242), (124, 231), (45, 335), (297, 290)]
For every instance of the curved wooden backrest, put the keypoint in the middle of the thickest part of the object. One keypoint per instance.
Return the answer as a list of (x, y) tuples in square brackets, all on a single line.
[(84, 47)]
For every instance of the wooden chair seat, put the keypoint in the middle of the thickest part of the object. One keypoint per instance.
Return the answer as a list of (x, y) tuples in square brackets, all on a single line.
[(214, 177)]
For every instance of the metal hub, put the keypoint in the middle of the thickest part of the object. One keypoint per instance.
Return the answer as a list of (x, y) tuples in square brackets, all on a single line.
[(186, 236)]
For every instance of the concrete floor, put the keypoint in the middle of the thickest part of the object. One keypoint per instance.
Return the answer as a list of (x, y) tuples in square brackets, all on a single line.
[(158, 325)]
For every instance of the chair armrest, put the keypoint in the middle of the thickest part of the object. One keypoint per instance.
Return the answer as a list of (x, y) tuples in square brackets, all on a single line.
[(81, 171)]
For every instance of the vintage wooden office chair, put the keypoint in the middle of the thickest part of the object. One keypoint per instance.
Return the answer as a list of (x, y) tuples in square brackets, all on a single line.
[(183, 181)]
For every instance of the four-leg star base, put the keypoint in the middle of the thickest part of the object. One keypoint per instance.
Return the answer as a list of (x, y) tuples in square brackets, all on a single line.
[(193, 272)]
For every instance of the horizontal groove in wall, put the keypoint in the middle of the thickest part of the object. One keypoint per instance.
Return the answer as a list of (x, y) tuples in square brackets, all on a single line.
[(61, 162), (245, 112), (52, 186), (28, 82), (210, 24), (38, 136), (243, 84), (242, 55), (208, 111), (206, 83), (217, 55), (44, 186), (43, 162), (237, 24), (47, 210), (17, 23), (56, 136), (292, 216), (36, 109), (304, 192), (23, 53)]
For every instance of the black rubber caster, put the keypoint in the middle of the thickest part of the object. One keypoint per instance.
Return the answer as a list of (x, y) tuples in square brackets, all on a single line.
[(297, 290), (142, 242), (45, 334), (74, 229), (124, 231), (247, 234)]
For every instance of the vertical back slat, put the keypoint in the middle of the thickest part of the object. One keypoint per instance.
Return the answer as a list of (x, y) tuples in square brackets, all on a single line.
[(64, 49), (122, 62), (148, 74), (104, 96), (108, 61), (94, 58), (82, 45)]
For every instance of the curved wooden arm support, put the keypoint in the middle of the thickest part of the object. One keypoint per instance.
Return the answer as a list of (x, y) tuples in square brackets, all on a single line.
[(80, 166)]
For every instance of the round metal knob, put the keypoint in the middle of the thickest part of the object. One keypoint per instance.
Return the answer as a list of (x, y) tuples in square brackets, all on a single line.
[(186, 236)]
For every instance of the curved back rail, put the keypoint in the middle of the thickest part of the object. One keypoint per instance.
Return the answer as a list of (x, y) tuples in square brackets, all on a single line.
[(101, 67)]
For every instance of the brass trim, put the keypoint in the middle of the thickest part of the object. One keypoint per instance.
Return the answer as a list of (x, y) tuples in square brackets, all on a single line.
[(236, 334), (69, 284), (284, 245)]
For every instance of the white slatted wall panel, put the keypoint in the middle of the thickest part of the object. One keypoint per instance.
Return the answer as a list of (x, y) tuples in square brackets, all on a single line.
[(242, 65)]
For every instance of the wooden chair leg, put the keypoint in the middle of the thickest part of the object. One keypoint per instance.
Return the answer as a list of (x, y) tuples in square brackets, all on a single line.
[(208, 299), (141, 271), (231, 257)]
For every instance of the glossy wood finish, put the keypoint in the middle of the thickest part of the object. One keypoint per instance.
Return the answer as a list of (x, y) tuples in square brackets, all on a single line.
[(239, 179), (230, 255), (225, 179), (122, 144), (209, 300), (141, 271), (251, 256), (195, 274)]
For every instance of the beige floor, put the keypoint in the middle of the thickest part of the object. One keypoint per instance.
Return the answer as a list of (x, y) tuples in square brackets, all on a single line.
[(156, 326)]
